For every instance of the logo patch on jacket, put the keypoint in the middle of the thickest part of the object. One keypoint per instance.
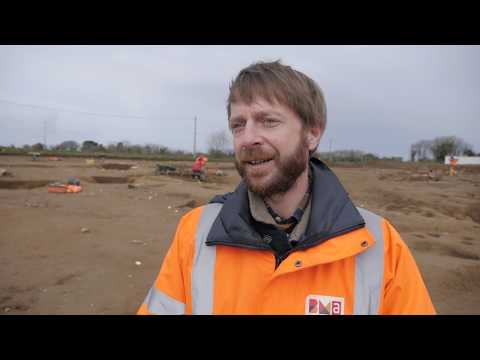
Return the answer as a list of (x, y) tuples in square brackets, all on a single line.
[(324, 305)]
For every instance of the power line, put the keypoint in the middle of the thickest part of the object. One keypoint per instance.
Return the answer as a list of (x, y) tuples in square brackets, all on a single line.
[(75, 111)]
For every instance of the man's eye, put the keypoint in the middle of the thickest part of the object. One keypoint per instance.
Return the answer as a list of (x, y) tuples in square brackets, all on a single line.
[(236, 126), (270, 122)]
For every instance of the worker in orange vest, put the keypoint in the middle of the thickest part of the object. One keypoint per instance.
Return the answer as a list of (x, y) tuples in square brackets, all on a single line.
[(288, 240), (453, 165)]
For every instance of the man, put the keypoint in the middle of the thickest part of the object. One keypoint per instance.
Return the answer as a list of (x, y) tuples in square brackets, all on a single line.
[(197, 167), (453, 165), (288, 240)]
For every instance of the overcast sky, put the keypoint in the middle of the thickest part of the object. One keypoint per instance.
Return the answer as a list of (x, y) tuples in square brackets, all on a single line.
[(380, 99)]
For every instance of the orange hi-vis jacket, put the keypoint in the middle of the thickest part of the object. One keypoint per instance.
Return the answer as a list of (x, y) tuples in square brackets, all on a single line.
[(349, 261), (199, 163)]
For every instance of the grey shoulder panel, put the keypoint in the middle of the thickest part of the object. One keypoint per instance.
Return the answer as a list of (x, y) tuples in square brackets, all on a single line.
[(369, 268), (204, 262)]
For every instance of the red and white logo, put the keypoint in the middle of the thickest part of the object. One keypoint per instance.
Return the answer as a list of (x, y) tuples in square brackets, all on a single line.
[(324, 305)]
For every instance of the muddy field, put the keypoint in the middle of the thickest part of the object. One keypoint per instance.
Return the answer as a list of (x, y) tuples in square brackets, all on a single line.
[(98, 251)]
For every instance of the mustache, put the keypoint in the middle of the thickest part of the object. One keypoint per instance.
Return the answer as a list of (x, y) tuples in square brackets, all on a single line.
[(254, 153)]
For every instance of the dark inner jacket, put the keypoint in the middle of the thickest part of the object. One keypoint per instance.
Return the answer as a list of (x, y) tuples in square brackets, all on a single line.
[(332, 214)]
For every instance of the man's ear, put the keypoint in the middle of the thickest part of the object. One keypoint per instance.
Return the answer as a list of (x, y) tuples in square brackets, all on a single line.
[(313, 137)]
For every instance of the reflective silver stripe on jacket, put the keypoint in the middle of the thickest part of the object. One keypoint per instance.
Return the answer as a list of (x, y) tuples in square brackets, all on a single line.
[(159, 303), (203, 271), (369, 269)]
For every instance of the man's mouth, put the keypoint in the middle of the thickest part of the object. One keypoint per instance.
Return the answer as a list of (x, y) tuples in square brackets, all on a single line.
[(257, 162)]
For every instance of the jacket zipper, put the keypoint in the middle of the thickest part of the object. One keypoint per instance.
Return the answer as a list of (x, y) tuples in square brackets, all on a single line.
[(279, 259)]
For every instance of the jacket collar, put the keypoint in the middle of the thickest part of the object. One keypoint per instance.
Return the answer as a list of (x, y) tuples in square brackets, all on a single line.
[(332, 214)]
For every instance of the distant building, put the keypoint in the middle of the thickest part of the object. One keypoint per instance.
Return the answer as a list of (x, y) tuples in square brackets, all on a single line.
[(464, 160)]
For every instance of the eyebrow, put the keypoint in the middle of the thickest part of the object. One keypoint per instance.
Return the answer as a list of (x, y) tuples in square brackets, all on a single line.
[(267, 113), (257, 114), (236, 118)]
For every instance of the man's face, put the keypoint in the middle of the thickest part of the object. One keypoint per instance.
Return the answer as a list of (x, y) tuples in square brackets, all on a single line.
[(271, 146)]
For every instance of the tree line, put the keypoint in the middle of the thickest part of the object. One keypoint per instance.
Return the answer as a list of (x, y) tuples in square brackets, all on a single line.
[(356, 156), (219, 146), (440, 147), (91, 146)]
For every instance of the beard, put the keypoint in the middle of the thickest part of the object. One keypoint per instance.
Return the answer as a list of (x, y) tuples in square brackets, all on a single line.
[(283, 178)]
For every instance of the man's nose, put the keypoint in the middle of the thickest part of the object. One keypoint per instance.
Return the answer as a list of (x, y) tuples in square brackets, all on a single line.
[(251, 135)]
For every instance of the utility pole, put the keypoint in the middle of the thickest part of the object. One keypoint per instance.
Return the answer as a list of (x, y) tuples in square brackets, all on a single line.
[(330, 150), (195, 137), (45, 134)]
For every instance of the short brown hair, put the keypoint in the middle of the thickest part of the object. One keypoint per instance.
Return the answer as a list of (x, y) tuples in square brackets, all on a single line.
[(275, 81)]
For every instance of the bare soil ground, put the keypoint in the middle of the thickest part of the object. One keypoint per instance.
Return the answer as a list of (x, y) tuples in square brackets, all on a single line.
[(98, 251)]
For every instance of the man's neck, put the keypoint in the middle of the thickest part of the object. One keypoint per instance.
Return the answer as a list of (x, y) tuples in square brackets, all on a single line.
[(285, 204)]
